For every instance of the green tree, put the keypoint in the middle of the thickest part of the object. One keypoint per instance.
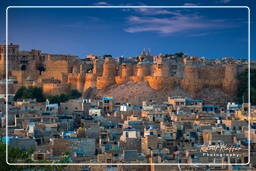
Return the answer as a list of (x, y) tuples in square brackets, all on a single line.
[(63, 97), (73, 94), (30, 93), (242, 92), (168, 55), (38, 94), (53, 99), (14, 155), (20, 93), (179, 54), (89, 67), (107, 55)]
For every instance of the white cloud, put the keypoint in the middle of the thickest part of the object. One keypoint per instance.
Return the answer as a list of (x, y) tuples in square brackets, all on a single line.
[(155, 11), (190, 4), (101, 3), (225, 1), (173, 24), (199, 34)]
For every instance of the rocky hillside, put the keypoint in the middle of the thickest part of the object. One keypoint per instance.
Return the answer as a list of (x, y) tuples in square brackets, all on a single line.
[(137, 92)]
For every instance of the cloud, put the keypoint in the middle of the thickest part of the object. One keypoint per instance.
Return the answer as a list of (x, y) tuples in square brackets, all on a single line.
[(155, 11), (199, 34), (101, 3), (173, 24), (225, 1), (190, 4)]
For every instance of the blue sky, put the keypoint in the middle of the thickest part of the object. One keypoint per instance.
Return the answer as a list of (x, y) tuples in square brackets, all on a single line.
[(125, 32)]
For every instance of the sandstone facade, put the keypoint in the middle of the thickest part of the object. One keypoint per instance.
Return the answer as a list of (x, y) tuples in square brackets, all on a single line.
[(59, 73)]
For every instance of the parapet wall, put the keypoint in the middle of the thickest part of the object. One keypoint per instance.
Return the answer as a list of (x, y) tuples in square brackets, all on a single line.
[(109, 73), (58, 66), (161, 83), (76, 81), (90, 81), (71, 74), (126, 70), (55, 88), (221, 77)]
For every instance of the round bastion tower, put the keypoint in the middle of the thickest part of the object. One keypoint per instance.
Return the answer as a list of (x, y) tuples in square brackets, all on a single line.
[(230, 81), (91, 77), (191, 81), (109, 72), (160, 78), (13, 51), (125, 73), (161, 70), (98, 67), (142, 69)]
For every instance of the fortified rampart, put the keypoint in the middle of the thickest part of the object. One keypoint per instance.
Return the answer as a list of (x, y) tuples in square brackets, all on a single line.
[(141, 70), (125, 72), (65, 72), (90, 81), (198, 77), (109, 73), (55, 88)]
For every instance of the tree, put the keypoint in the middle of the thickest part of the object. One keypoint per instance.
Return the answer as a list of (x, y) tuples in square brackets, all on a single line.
[(54, 99), (242, 92), (38, 94), (179, 54), (89, 68), (107, 55), (73, 94), (14, 155), (20, 93), (30, 93), (167, 55)]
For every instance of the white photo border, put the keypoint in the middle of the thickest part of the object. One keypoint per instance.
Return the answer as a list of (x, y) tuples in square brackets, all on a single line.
[(115, 164)]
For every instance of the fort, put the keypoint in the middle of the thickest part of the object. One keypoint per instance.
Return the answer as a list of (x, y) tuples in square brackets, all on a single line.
[(59, 73)]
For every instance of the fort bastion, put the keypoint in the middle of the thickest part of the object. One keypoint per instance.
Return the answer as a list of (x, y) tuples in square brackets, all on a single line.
[(59, 73)]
